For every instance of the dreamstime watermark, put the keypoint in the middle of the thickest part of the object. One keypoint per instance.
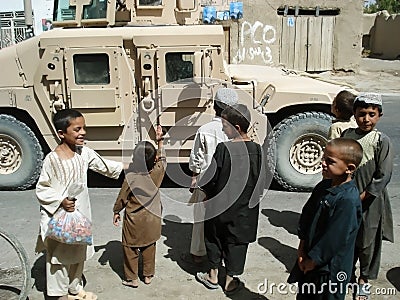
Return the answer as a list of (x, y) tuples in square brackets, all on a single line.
[(340, 286)]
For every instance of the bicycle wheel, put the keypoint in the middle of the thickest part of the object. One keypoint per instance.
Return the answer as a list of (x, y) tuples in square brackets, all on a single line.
[(14, 268)]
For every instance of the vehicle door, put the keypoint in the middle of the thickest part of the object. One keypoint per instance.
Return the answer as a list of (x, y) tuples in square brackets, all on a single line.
[(178, 94), (93, 86)]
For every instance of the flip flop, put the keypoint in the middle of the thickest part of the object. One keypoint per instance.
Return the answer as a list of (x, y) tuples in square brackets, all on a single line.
[(202, 278), (239, 286), (129, 283), (83, 295)]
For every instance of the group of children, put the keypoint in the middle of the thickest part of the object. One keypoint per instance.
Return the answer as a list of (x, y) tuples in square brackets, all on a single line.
[(348, 214), (344, 220)]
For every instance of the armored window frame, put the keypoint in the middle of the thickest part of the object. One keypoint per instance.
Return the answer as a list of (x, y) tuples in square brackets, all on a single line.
[(91, 69), (63, 11), (95, 10), (149, 4), (179, 66)]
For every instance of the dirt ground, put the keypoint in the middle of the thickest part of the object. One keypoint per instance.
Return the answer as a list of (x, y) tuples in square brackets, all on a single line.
[(267, 263), (375, 75), (269, 257)]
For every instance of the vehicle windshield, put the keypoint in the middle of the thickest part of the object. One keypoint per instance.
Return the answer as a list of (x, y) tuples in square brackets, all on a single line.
[(63, 11), (96, 10)]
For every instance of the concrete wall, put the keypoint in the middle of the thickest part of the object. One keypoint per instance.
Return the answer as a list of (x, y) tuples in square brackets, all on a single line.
[(256, 38), (384, 35)]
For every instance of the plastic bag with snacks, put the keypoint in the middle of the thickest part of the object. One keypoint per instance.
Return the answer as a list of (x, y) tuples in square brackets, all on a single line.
[(70, 227)]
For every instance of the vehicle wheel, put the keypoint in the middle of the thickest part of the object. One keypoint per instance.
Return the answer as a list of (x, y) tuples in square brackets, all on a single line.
[(297, 144), (20, 155)]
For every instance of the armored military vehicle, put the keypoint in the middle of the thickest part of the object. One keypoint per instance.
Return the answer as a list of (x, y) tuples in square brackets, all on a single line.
[(129, 64)]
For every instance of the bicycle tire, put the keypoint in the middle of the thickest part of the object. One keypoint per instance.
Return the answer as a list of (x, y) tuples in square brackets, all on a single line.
[(23, 258)]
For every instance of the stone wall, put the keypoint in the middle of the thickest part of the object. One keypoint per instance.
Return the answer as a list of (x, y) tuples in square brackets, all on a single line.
[(257, 38)]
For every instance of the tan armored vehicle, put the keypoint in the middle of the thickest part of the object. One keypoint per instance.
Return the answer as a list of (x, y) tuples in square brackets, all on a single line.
[(125, 74)]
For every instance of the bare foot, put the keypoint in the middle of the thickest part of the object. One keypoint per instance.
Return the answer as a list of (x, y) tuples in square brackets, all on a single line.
[(148, 279)]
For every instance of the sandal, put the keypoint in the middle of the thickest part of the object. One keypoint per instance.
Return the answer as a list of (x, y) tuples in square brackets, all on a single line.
[(237, 288), (130, 283), (83, 295), (202, 278)]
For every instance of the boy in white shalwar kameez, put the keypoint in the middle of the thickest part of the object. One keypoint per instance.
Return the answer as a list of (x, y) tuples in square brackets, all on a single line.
[(67, 164)]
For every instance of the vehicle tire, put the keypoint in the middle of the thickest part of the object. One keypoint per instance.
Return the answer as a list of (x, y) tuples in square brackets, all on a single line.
[(296, 144), (20, 155)]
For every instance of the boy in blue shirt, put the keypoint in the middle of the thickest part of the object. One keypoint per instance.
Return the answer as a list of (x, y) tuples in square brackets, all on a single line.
[(328, 226)]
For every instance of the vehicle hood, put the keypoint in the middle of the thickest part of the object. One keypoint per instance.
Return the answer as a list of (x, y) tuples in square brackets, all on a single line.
[(283, 80)]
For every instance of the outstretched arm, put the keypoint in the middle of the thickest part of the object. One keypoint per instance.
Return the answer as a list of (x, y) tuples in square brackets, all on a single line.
[(159, 137)]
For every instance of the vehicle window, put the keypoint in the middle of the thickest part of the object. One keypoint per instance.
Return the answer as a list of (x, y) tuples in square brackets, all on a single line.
[(63, 11), (149, 2), (91, 69), (96, 10), (179, 65)]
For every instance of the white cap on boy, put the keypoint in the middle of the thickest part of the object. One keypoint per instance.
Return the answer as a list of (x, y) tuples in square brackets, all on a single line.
[(227, 96), (369, 98)]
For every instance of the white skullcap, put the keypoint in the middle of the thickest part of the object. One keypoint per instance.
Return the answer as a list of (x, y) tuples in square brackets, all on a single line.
[(227, 96), (369, 98)]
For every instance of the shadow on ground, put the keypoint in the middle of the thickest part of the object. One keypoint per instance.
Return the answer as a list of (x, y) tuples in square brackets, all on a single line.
[(393, 275), (178, 236), (284, 253), (245, 294), (286, 219), (113, 255), (38, 274)]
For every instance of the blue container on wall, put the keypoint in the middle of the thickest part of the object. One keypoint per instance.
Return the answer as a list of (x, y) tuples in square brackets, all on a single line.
[(236, 10), (209, 14)]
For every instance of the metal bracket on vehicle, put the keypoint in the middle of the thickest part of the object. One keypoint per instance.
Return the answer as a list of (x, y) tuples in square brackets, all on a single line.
[(148, 104)]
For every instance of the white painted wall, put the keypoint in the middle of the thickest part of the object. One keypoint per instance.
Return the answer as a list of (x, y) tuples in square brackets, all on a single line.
[(42, 9)]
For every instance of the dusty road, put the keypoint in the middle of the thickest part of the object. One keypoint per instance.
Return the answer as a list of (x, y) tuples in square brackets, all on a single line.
[(268, 258)]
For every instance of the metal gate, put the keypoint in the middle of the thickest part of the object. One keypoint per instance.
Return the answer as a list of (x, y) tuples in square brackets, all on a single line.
[(12, 28), (307, 42)]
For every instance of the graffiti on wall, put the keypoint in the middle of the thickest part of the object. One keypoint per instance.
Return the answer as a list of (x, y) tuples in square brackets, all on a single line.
[(255, 41)]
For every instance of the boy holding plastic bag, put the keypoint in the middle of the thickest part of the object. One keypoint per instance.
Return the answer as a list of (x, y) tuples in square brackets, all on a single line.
[(64, 169)]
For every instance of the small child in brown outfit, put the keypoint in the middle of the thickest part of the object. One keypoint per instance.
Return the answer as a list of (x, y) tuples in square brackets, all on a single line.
[(140, 197)]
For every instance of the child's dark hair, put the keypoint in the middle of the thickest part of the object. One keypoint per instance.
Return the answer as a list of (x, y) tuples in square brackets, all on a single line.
[(219, 108), (62, 119), (344, 104), (363, 104), (237, 115), (144, 157), (350, 150)]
